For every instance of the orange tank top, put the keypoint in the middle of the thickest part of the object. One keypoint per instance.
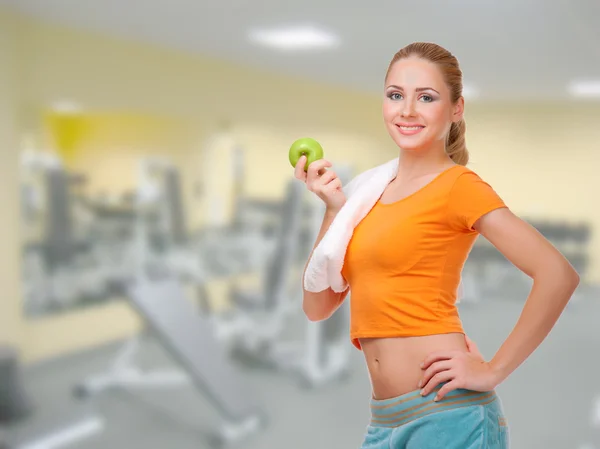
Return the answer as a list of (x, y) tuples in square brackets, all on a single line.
[(404, 260)]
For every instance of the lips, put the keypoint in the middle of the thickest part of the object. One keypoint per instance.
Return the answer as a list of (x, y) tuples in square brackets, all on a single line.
[(409, 128)]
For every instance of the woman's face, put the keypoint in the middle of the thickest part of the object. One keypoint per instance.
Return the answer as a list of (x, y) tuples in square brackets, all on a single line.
[(417, 108)]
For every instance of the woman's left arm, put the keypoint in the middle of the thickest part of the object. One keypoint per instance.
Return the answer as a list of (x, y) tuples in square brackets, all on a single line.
[(554, 281)]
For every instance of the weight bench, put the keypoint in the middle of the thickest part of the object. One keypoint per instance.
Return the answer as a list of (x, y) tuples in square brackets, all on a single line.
[(189, 338)]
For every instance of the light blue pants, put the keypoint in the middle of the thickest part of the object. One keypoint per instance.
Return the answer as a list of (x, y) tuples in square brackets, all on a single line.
[(463, 419)]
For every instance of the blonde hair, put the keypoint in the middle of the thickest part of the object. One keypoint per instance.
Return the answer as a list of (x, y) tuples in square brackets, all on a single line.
[(456, 146)]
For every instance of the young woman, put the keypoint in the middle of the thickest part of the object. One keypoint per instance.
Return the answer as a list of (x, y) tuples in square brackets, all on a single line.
[(431, 386)]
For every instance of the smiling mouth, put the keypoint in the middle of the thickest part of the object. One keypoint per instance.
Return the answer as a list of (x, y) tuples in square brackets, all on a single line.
[(409, 130)]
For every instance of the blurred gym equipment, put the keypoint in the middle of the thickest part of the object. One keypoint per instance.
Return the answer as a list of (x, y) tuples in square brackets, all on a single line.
[(164, 241), (155, 254), (62, 263), (488, 273), (255, 323), (258, 326), (161, 239), (188, 339)]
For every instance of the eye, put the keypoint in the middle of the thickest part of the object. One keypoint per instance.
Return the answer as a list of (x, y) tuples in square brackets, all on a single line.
[(427, 98), (394, 96)]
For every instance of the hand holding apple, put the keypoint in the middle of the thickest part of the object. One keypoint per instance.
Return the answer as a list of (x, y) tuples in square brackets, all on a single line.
[(322, 182)]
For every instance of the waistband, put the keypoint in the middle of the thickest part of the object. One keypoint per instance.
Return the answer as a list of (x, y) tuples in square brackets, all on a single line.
[(395, 412)]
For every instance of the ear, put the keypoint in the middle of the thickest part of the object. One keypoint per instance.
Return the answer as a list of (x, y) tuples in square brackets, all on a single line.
[(459, 110)]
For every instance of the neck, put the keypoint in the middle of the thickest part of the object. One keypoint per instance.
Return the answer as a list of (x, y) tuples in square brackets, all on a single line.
[(413, 164)]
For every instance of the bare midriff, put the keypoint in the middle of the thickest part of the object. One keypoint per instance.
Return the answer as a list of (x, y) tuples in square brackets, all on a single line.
[(394, 364)]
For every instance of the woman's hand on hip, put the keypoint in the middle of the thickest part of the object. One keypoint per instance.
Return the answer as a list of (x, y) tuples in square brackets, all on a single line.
[(457, 369)]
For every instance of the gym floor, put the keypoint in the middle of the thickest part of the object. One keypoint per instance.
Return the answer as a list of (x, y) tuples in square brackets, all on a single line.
[(549, 401)]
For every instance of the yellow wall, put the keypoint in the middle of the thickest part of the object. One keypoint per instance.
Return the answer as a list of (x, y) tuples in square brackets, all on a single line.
[(538, 163), (10, 311), (541, 158)]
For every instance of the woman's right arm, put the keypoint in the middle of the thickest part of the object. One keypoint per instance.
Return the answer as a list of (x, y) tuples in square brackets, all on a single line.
[(320, 306), (327, 186)]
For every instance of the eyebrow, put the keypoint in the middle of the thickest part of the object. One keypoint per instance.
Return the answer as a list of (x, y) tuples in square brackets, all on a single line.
[(418, 89)]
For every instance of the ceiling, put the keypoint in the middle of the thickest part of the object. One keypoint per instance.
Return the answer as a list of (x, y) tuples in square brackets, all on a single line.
[(509, 49)]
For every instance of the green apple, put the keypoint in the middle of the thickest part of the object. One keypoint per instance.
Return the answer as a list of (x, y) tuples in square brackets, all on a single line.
[(305, 147)]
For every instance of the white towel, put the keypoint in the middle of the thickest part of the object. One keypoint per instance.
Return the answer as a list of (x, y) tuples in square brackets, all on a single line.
[(324, 268)]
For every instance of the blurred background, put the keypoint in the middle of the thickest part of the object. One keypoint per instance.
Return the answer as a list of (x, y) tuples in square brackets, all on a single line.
[(154, 238)]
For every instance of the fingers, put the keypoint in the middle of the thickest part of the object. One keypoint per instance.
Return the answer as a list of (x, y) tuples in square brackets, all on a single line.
[(447, 388), (434, 369), (321, 183), (441, 377), (326, 184), (299, 172), (327, 177), (436, 357), (330, 189), (315, 170), (335, 185)]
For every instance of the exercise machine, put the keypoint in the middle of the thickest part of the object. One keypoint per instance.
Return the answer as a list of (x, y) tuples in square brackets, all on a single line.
[(322, 354), (162, 237), (254, 325), (261, 316), (62, 265), (188, 338)]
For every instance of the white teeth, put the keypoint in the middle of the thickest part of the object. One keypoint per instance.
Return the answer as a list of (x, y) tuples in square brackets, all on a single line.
[(410, 128)]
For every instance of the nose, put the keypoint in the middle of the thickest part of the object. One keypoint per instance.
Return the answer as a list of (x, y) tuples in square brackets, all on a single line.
[(408, 108)]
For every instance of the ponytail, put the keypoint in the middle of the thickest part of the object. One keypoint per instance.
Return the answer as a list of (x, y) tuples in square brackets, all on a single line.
[(456, 147)]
